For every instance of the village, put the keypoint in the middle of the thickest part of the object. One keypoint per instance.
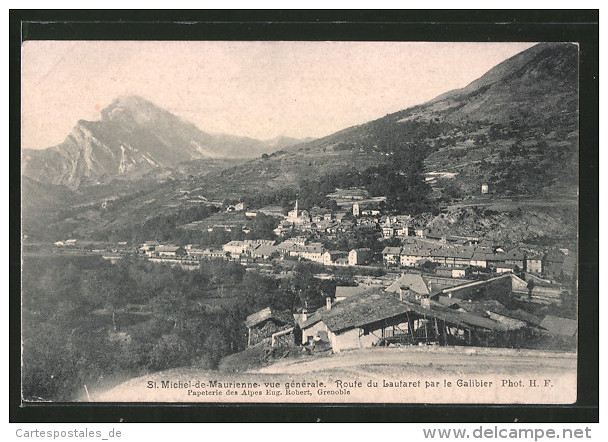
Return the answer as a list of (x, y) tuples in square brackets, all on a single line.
[(427, 288)]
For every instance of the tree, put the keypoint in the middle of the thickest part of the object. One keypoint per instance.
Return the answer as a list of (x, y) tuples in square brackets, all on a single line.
[(531, 285), (168, 351)]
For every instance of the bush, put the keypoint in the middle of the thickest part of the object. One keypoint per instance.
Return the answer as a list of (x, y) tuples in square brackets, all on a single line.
[(169, 351)]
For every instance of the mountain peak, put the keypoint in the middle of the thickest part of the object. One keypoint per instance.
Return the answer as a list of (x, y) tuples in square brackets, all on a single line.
[(132, 101), (134, 107), (133, 137)]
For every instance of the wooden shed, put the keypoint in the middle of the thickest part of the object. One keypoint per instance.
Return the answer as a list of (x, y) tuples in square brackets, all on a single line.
[(266, 322)]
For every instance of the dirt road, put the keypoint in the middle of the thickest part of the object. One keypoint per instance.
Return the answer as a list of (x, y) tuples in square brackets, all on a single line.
[(455, 360), (374, 375)]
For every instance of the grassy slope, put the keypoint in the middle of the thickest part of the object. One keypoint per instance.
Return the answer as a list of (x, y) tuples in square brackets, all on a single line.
[(531, 96)]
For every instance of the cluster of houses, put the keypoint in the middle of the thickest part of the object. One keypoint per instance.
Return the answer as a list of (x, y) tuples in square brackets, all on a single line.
[(414, 311), (315, 220), (419, 244), (187, 256), (325, 221), (456, 258), (450, 260), (231, 251), (296, 248)]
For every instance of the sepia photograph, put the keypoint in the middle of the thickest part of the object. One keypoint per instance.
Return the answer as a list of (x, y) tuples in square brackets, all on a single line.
[(299, 222)]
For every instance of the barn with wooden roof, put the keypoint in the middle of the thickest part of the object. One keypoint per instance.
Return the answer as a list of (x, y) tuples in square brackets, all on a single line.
[(378, 317), (263, 324), (364, 320)]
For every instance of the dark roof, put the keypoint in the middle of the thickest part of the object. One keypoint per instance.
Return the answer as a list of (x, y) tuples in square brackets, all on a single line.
[(312, 319), (453, 252), (266, 314), (376, 305), (498, 256), (515, 254), (364, 308), (559, 326), (524, 316), (496, 307), (479, 256), (416, 250), (459, 318)]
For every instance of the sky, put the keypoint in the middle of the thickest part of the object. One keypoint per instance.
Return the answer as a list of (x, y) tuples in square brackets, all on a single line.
[(256, 89)]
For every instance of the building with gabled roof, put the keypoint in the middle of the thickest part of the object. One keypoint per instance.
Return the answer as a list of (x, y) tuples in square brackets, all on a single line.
[(170, 251), (410, 281), (538, 290), (452, 272), (363, 320), (312, 252), (402, 315), (148, 247), (413, 254), (534, 262), (264, 251), (391, 255)]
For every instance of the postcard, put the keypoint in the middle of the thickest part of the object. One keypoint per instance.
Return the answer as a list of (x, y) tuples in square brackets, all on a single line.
[(328, 222)]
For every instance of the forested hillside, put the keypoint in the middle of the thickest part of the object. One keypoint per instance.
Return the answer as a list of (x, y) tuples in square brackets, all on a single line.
[(89, 322)]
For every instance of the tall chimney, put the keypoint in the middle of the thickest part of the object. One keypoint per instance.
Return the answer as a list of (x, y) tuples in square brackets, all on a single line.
[(328, 302), (304, 315)]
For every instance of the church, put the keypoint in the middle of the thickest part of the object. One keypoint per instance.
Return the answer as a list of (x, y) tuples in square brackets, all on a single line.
[(296, 216)]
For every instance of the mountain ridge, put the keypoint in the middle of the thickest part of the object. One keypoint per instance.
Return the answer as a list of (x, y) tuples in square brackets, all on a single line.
[(516, 131), (523, 109), (132, 137)]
